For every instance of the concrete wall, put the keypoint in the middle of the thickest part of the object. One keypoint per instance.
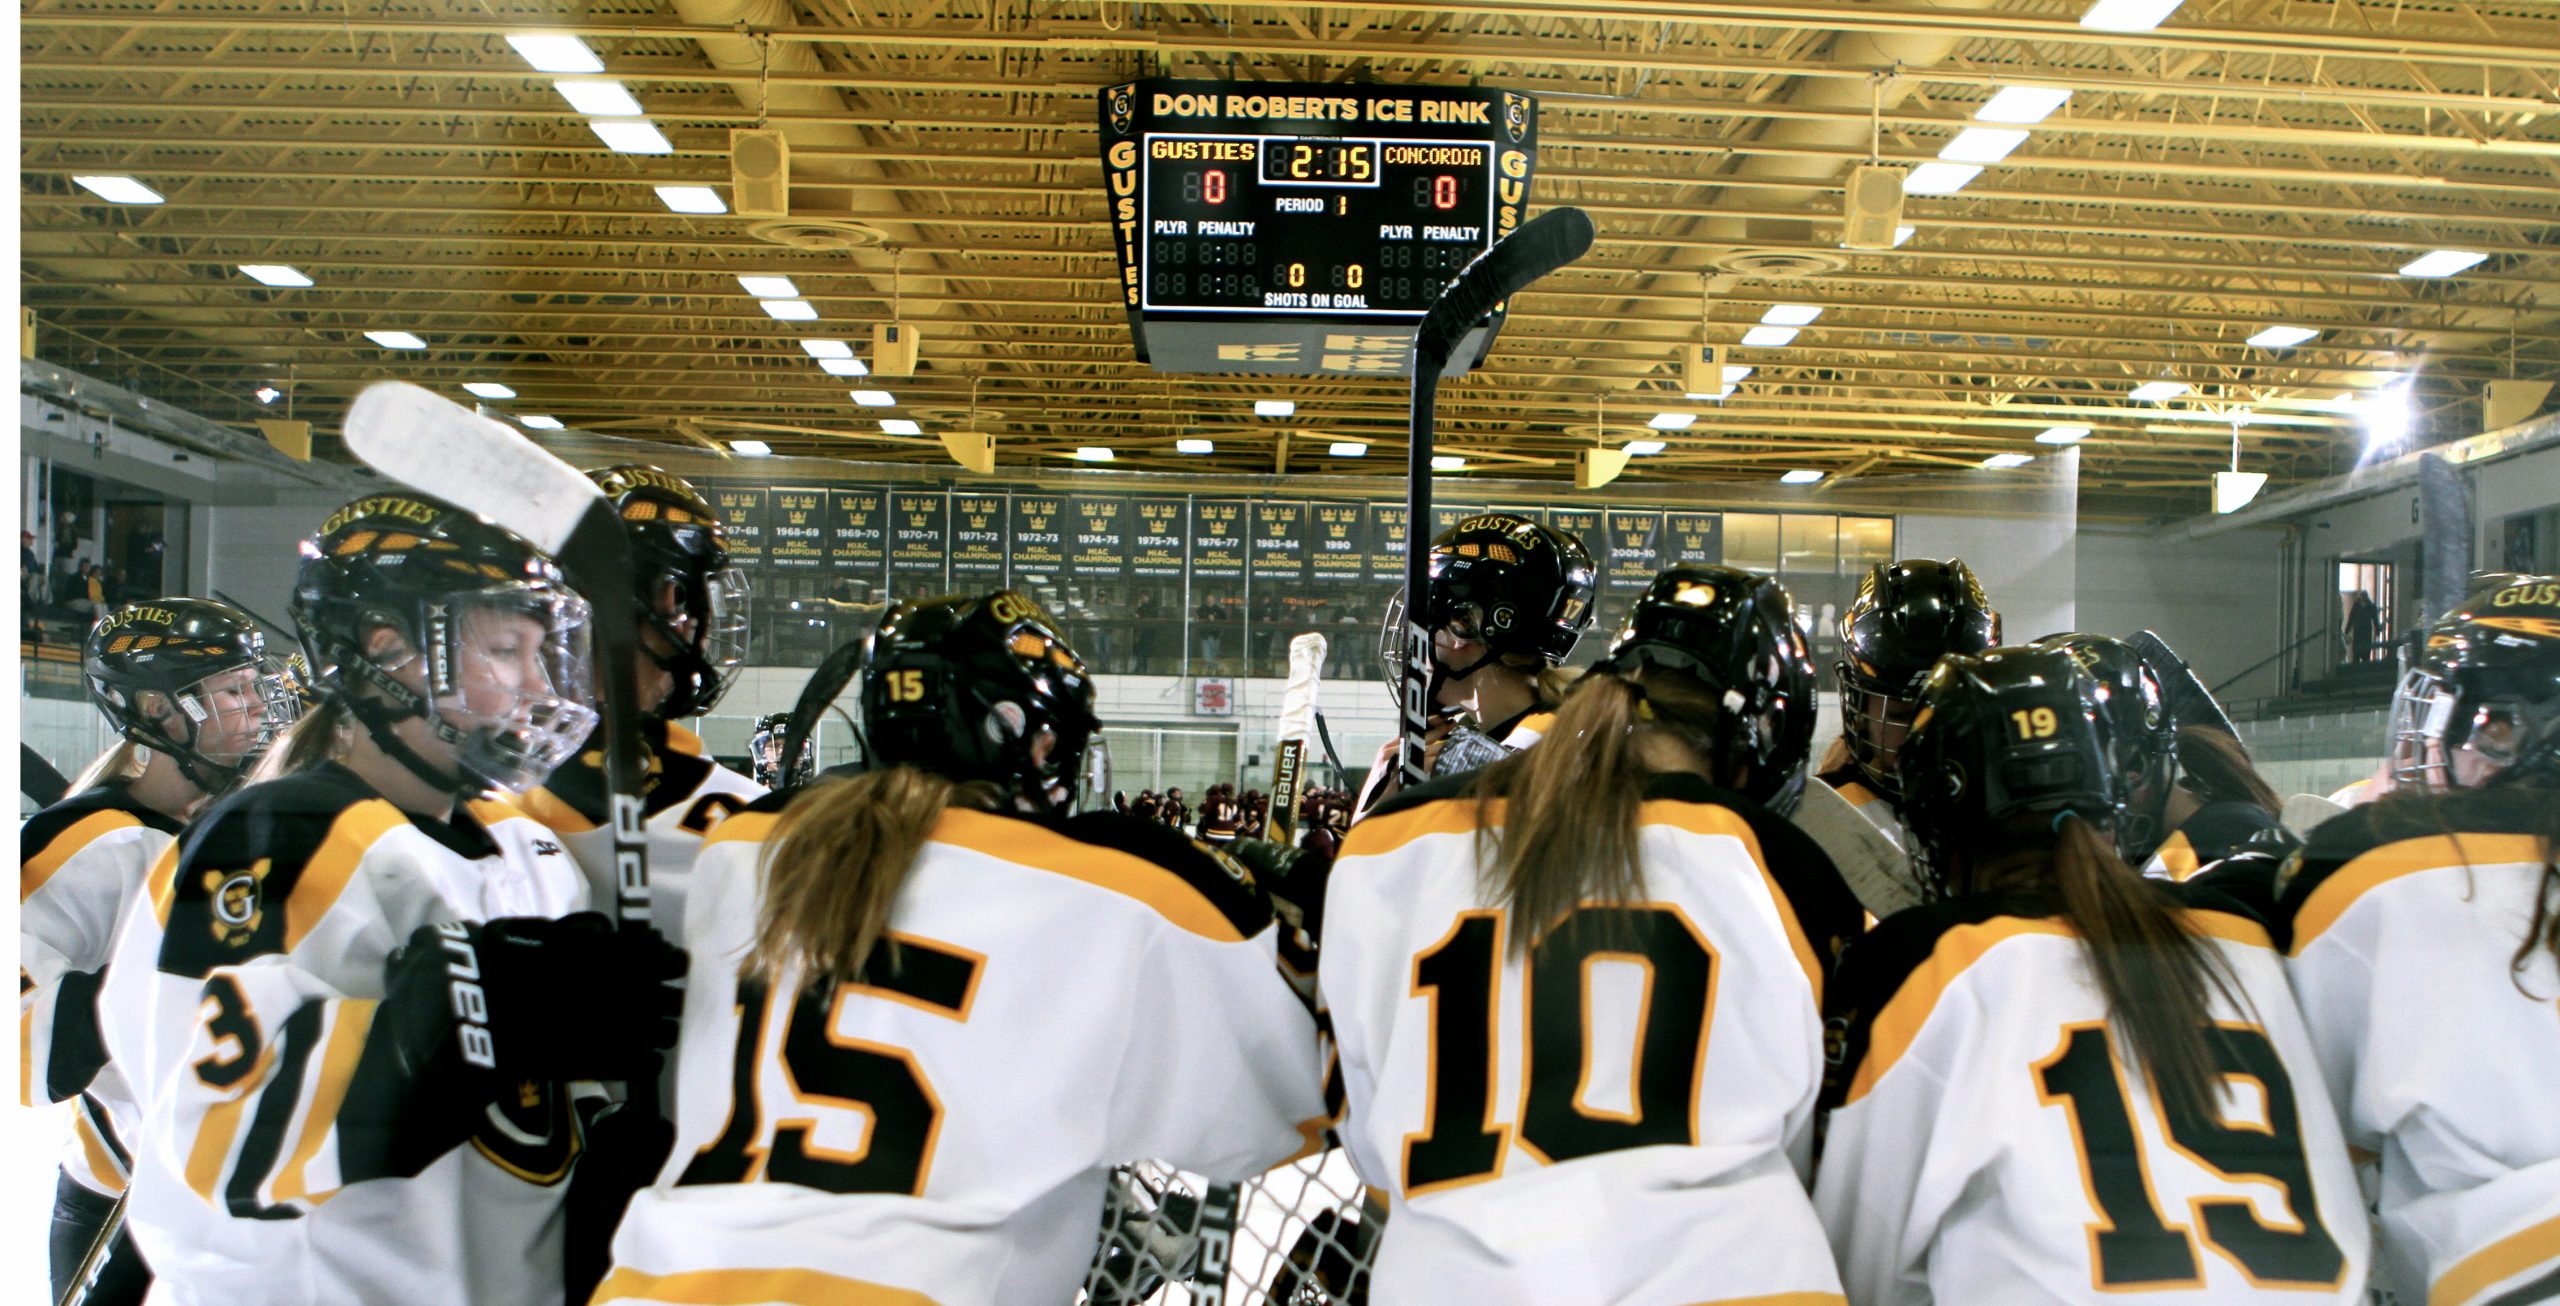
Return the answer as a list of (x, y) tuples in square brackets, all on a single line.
[(2214, 600)]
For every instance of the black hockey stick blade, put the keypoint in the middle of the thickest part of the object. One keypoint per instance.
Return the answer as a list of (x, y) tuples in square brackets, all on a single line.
[(1540, 246), (2190, 703), (824, 686), (37, 780)]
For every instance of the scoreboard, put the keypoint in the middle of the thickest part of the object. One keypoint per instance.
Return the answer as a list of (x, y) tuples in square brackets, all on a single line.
[(1305, 229)]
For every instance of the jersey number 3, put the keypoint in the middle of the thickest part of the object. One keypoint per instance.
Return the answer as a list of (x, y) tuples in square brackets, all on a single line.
[(821, 1071), (1460, 1142)]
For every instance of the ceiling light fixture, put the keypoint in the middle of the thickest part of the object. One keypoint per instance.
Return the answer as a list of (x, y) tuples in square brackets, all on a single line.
[(751, 448), (900, 426), (2063, 435), (274, 274), (599, 99), (2022, 104), (691, 199), (1348, 449), (1672, 421), (769, 287), (539, 422), (2153, 392), (555, 52), (1768, 337), (2003, 461), (268, 394), (844, 367), (2283, 337), (1195, 446), (1275, 407), (1940, 178), (789, 310), (638, 136), (1642, 447), (2441, 263), (489, 389), (1983, 144), (874, 398), (1801, 476), (826, 348), (395, 340), (1902, 234), (1092, 453), (1794, 315), (2128, 15), (1441, 462), (118, 190)]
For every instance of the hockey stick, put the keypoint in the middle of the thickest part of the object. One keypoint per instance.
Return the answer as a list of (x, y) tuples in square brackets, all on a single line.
[(2190, 703), (84, 1280), (438, 447), (1869, 861), (37, 779), (1297, 721), (824, 686), (1543, 244)]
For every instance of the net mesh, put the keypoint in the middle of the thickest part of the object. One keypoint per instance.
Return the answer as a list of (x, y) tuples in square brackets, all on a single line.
[(1302, 1234)]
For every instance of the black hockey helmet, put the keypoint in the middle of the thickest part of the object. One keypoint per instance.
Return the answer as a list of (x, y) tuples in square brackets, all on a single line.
[(984, 687), (190, 678), (437, 576), (2145, 735), (2008, 731), (764, 752), (1906, 616), (2483, 698), (1518, 587), (1735, 633), (688, 592)]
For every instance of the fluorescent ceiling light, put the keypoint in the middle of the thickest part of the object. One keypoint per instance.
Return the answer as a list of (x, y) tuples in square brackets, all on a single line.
[(826, 349), (844, 367), (274, 274), (395, 340), (1983, 144), (488, 390), (599, 99), (635, 136), (1348, 449), (1093, 453), (2232, 491), (2128, 15), (539, 422), (1672, 421), (1195, 446), (555, 52), (2282, 337), (1441, 462), (1791, 314), (2022, 104), (900, 426), (750, 448), (1940, 178), (2442, 263), (692, 199), (1274, 407), (2063, 435), (769, 287), (789, 310), (2152, 392), (1733, 375), (268, 394), (1800, 477), (2004, 460), (1901, 234), (874, 398), (118, 190), (1641, 447), (1768, 337)]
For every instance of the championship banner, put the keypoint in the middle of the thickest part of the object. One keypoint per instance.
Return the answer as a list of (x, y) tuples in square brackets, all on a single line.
[(919, 533), (1039, 530), (1103, 525), (1385, 530), (1280, 540), (1582, 524), (1158, 551), (977, 537), (1335, 543), (1446, 516), (1217, 539), (1635, 547), (858, 532), (796, 537), (1693, 537), (742, 511)]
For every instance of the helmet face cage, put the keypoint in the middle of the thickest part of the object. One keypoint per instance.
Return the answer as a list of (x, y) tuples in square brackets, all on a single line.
[(1905, 617), (508, 670), (2481, 700), (683, 554), (2012, 731), (986, 689), (222, 699)]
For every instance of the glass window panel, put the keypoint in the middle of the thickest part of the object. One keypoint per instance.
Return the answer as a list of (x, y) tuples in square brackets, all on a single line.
[(1751, 541)]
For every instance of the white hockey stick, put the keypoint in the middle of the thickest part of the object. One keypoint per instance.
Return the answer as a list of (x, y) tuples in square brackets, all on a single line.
[(1297, 725), (1873, 865)]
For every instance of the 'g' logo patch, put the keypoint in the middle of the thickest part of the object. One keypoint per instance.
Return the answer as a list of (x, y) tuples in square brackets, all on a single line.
[(238, 903)]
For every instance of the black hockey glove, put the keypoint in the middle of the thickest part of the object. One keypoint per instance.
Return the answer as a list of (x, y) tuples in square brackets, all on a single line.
[(625, 1148)]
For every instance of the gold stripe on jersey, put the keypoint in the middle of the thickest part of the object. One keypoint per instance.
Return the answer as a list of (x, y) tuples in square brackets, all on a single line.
[(338, 1054), (1535, 726), (1388, 831), (681, 740), (162, 884), (740, 827), (490, 811), (2368, 870), (26, 1048), (1025, 844), (751, 1287), (37, 869), (214, 1136), (1899, 1022), (1856, 794), (334, 863), (2499, 1261), (102, 1161), (2177, 856)]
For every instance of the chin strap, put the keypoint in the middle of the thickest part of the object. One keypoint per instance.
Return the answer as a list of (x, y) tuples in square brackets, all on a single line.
[(379, 716), (201, 771)]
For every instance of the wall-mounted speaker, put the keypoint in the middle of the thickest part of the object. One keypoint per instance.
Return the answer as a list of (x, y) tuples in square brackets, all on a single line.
[(1874, 207), (893, 349), (760, 173), (1702, 369)]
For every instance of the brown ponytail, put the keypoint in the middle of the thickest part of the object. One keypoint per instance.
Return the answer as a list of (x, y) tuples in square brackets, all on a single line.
[(2218, 768), (319, 735), (2152, 968), (1569, 807), (834, 865)]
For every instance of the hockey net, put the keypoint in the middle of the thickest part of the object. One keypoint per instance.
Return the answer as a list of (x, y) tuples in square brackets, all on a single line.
[(1302, 1234)]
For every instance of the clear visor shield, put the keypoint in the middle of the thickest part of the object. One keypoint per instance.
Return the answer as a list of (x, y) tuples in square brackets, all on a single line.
[(1391, 649), (724, 630), (512, 683), (233, 715), (2440, 741), (1874, 727)]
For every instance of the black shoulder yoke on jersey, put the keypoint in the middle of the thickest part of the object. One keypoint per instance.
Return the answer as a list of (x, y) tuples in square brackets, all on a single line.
[(1877, 964), (42, 829), (241, 862), (674, 775), (1221, 879), (2340, 840), (2218, 830)]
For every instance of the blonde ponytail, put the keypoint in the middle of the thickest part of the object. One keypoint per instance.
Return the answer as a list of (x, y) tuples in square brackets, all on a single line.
[(118, 765), (835, 862), (320, 735)]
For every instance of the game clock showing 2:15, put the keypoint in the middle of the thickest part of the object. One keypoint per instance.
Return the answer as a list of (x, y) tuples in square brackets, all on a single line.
[(1283, 224)]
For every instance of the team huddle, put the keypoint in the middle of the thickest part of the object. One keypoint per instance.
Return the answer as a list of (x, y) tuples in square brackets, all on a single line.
[(2030, 990)]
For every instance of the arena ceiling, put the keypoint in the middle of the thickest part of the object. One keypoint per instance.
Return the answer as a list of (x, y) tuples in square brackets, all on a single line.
[(2247, 163)]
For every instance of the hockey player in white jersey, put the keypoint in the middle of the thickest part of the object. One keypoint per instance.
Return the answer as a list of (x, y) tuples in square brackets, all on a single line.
[(346, 1000), (2061, 1080), (2425, 949), (930, 1008), (1577, 994), (693, 633), (1905, 616), (193, 694)]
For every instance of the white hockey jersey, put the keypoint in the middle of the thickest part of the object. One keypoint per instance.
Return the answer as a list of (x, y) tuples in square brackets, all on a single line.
[(79, 862), (1625, 1115), (274, 1166), (1991, 1138), (2441, 1051), (1064, 997), (688, 794)]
